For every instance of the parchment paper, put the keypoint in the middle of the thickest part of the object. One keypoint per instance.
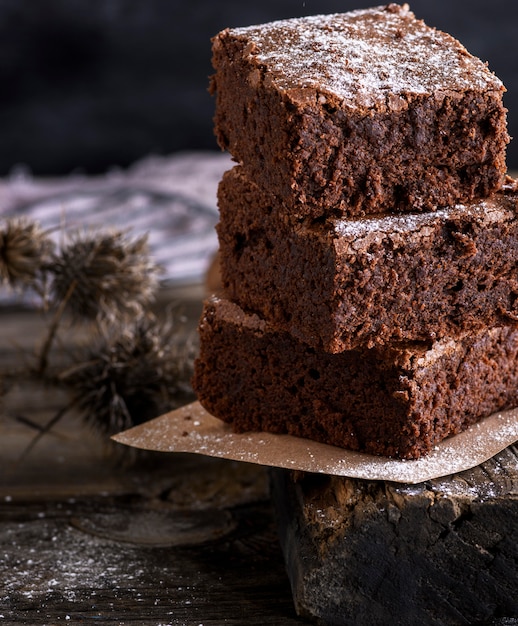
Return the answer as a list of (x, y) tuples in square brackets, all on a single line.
[(193, 429)]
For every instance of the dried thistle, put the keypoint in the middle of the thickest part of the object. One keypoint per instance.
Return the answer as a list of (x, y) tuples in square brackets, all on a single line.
[(25, 250), (128, 379), (104, 276)]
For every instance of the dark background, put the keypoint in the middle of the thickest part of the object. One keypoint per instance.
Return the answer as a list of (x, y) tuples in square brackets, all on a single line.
[(91, 84)]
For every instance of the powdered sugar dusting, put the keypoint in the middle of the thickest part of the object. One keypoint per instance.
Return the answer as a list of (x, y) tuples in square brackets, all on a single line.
[(408, 223), (400, 223), (365, 55)]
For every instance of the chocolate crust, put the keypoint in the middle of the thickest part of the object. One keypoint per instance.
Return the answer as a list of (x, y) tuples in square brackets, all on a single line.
[(431, 133)]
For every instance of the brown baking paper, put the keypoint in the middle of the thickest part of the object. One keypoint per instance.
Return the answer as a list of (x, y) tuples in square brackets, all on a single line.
[(192, 429)]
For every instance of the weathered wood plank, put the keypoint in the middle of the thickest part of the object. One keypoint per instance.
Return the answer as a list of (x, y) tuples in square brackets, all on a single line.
[(444, 552), (175, 539), (88, 536)]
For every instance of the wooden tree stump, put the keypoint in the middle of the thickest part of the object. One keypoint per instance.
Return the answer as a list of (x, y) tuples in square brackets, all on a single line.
[(443, 552)]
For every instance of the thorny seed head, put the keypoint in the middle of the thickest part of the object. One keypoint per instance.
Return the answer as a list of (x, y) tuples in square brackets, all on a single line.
[(25, 250), (104, 276), (139, 374)]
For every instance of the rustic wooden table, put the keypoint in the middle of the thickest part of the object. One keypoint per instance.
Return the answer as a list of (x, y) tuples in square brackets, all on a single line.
[(158, 539)]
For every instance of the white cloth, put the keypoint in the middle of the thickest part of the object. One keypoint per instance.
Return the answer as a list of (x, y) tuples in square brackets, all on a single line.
[(172, 199)]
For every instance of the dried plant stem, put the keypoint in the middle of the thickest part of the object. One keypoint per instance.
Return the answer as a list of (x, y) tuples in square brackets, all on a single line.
[(136, 365), (22, 419), (44, 430), (52, 331)]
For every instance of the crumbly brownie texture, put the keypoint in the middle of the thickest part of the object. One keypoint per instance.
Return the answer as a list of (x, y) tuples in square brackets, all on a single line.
[(392, 402), (366, 112), (344, 283)]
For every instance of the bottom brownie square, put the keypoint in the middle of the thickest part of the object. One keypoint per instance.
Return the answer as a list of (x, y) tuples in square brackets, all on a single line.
[(398, 400)]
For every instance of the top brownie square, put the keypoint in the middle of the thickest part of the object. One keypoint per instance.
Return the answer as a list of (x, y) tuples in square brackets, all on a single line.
[(370, 111)]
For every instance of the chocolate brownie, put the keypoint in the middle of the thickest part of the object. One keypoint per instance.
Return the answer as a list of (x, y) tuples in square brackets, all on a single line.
[(397, 401), (361, 281), (365, 112)]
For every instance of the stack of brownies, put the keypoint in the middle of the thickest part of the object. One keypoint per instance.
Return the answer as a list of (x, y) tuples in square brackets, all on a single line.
[(368, 236)]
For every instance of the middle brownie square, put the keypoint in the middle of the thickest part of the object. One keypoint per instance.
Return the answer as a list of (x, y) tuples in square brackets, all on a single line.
[(339, 284)]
